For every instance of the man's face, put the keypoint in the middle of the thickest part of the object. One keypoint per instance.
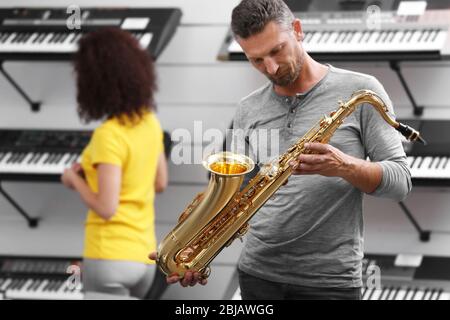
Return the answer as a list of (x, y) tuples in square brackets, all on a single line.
[(275, 52)]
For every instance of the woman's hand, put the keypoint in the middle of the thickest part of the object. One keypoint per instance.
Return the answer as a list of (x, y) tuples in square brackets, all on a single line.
[(70, 175), (190, 278)]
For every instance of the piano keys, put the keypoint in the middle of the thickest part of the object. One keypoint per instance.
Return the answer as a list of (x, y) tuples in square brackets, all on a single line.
[(42, 155), (428, 281), (39, 154), (39, 278), (430, 164), (347, 36), (42, 33)]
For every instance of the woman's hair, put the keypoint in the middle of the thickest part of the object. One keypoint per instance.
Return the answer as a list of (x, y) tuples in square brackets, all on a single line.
[(115, 76), (250, 17)]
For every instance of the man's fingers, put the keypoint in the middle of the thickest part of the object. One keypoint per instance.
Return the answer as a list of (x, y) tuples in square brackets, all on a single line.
[(311, 158), (317, 147), (305, 168), (152, 255), (172, 279)]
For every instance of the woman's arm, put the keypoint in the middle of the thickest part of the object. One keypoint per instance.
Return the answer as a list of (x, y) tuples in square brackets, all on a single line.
[(105, 202), (162, 174)]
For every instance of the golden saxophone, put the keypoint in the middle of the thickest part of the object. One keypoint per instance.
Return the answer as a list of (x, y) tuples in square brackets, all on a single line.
[(219, 215)]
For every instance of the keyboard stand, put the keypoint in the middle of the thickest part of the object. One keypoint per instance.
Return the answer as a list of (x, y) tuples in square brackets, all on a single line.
[(394, 64), (424, 235), (32, 222), (35, 106)]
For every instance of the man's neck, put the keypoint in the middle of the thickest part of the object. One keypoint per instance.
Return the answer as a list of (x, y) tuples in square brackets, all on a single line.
[(311, 73)]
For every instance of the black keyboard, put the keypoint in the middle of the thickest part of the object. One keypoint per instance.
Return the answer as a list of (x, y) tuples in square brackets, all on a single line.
[(40, 278), (352, 35), (430, 164), (43, 34), (39, 154), (428, 280)]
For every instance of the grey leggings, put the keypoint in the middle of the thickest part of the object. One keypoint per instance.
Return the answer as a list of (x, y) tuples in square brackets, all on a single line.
[(117, 277)]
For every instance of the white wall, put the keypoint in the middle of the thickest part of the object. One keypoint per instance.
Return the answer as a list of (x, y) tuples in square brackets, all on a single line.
[(194, 86)]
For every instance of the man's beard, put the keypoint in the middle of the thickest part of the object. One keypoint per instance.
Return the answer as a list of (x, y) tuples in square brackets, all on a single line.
[(290, 76)]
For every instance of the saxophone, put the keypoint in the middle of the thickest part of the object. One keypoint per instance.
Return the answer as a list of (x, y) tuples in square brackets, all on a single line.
[(219, 215)]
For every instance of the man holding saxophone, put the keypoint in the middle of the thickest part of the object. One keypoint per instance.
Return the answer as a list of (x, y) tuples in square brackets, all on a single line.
[(307, 242)]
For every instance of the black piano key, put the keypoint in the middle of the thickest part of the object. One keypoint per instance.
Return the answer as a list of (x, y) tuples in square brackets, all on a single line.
[(369, 297), (444, 165), (14, 38), (4, 36), (64, 37), (439, 294), (341, 37), (18, 38), (22, 157), (39, 157), (384, 290), (320, 37), (52, 38), (11, 157), (378, 39), (326, 36), (407, 291), (55, 159), (438, 163), (425, 293), (435, 34), (403, 37), (34, 285), (45, 159), (349, 36), (2, 155), (420, 163), (368, 36), (410, 35), (41, 38), (394, 293), (391, 36), (14, 284)]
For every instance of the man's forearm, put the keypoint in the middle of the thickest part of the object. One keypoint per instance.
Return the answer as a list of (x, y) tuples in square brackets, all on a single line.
[(364, 175)]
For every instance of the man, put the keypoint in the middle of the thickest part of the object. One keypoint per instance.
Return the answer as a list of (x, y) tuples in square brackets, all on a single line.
[(307, 242)]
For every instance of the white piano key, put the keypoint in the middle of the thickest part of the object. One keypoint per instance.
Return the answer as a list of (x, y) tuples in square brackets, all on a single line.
[(445, 296), (419, 295), (385, 293), (427, 295), (392, 294), (410, 294), (401, 294), (146, 39), (376, 294), (367, 294)]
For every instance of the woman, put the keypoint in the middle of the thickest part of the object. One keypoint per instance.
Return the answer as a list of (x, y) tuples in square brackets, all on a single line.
[(122, 166)]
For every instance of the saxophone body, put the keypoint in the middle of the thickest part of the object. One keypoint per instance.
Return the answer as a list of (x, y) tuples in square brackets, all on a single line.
[(219, 215)]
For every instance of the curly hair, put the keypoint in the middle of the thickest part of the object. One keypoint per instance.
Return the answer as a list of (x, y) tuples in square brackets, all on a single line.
[(115, 77)]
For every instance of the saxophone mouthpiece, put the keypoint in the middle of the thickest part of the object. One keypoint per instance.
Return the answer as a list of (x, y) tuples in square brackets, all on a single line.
[(421, 140), (410, 133)]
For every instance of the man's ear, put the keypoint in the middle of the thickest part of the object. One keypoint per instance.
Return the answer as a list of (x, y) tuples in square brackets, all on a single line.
[(298, 31)]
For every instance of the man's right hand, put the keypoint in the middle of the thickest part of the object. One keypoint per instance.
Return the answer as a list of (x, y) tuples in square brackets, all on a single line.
[(190, 278)]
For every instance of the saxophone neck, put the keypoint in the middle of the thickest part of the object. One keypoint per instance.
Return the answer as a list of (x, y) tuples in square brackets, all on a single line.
[(370, 97)]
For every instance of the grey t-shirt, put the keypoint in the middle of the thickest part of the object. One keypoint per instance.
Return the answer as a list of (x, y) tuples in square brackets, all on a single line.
[(311, 232)]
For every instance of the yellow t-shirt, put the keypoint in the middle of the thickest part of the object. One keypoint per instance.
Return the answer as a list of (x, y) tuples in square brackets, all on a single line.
[(129, 234)]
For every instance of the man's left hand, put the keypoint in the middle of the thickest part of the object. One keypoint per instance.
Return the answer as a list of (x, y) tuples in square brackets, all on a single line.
[(322, 159)]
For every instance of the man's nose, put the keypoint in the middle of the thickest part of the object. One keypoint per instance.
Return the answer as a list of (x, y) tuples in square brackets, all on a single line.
[(271, 66)]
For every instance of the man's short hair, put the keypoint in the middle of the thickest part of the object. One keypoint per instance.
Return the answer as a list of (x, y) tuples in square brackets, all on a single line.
[(250, 17)]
